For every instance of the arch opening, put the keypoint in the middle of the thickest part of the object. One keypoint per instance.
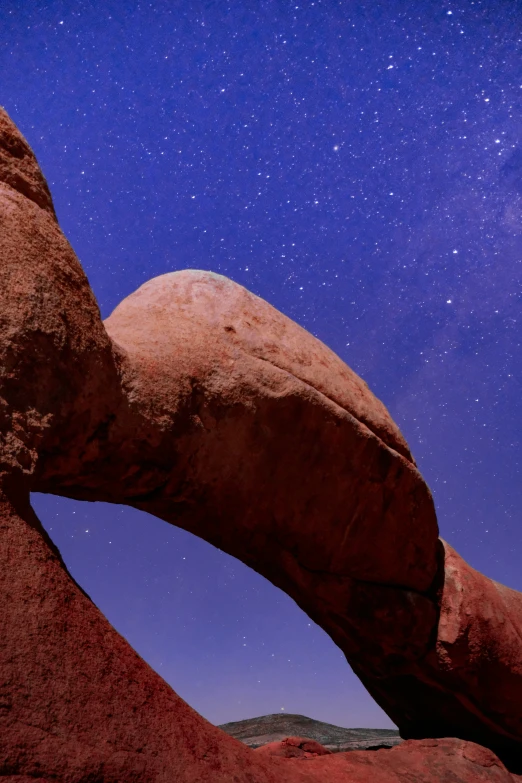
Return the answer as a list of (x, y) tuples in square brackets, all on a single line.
[(229, 642)]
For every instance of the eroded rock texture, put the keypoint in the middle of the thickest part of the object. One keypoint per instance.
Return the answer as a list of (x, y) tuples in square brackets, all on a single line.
[(200, 403), (416, 761)]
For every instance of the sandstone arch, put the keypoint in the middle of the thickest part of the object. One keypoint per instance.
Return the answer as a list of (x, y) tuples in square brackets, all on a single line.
[(201, 404)]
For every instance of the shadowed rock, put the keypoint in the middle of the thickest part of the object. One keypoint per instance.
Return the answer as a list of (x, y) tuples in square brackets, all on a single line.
[(201, 404)]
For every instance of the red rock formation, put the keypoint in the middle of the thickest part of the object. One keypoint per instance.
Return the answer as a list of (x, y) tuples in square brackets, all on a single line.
[(472, 675), (202, 404), (294, 748), (415, 761)]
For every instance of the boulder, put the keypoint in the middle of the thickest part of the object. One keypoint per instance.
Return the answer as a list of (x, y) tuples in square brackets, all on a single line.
[(201, 404), (446, 760)]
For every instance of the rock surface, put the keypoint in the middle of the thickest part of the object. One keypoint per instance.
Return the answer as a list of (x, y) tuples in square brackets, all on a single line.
[(294, 748), (415, 761), (256, 732), (200, 403), (472, 675)]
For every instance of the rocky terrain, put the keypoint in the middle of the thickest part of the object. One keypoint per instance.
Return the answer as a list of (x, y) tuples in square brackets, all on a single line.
[(201, 404), (256, 732)]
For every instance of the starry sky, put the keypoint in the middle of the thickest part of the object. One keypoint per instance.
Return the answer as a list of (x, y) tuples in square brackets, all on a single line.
[(358, 165)]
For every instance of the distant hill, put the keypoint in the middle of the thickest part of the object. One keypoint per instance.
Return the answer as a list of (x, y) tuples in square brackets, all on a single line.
[(270, 728)]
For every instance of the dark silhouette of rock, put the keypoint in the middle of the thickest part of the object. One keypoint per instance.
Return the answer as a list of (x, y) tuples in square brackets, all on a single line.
[(201, 404), (256, 732)]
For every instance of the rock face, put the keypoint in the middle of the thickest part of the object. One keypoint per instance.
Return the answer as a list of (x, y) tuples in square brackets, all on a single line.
[(201, 404), (415, 761), (257, 732), (476, 661)]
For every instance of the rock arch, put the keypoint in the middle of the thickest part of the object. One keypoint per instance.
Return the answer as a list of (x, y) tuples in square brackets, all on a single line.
[(200, 403)]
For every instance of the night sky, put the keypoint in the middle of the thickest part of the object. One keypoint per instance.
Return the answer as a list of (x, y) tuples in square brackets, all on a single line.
[(359, 166)]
